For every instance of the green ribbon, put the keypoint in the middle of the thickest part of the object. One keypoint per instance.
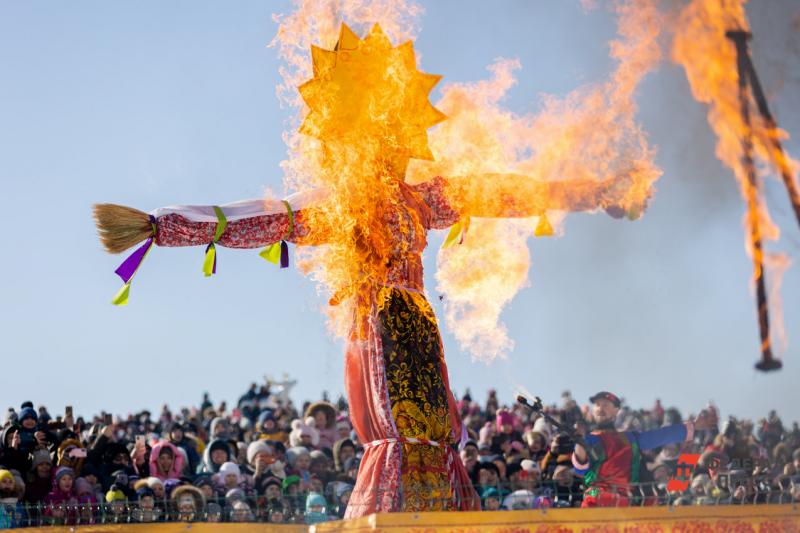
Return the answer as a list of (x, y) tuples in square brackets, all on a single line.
[(274, 252), (457, 232), (121, 298), (210, 261)]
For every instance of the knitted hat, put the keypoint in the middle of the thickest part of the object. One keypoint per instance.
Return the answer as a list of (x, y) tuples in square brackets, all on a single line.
[(5, 474), (315, 499), (299, 429), (63, 471), (229, 469), (28, 412), (256, 447), (293, 453), (40, 456)]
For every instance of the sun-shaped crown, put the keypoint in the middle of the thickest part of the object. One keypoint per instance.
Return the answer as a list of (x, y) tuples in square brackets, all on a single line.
[(368, 91)]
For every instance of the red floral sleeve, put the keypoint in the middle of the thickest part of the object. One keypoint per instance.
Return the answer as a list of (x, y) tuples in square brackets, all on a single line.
[(443, 214), (253, 232)]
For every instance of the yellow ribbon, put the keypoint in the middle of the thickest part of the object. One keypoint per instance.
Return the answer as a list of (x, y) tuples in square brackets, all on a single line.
[(210, 261), (272, 252), (543, 228), (459, 229)]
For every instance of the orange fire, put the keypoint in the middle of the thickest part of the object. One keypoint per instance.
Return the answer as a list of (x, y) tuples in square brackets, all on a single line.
[(709, 58), (589, 136)]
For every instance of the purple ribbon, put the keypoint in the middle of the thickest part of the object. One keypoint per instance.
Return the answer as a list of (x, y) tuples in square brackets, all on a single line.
[(128, 267), (284, 255)]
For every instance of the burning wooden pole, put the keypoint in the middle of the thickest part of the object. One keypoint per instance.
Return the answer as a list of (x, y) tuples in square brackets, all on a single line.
[(777, 153), (745, 67)]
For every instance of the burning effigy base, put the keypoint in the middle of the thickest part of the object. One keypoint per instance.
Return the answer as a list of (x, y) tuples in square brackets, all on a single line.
[(740, 518)]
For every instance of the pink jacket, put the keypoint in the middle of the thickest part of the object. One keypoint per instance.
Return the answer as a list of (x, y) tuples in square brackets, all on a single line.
[(177, 465)]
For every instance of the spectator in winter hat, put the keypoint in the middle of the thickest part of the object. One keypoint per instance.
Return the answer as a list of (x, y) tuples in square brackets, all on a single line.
[(63, 492), (343, 449), (71, 453), (300, 461), (304, 434), (219, 429), (176, 435), (216, 453), (490, 499), (117, 503), (268, 427), (351, 467), (12, 455), (316, 509), (165, 461), (188, 503), (271, 489), (39, 482), (343, 426), (241, 512), (342, 492), (146, 510), (229, 478), (324, 416), (263, 462), (205, 483)]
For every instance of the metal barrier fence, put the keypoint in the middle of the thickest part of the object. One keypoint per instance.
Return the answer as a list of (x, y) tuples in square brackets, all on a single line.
[(726, 489)]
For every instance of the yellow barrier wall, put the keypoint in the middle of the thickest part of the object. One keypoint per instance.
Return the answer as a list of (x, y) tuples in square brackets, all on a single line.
[(738, 519)]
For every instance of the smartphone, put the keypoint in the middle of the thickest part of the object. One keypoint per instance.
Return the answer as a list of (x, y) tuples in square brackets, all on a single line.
[(140, 440), (68, 411), (77, 453), (107, 419)]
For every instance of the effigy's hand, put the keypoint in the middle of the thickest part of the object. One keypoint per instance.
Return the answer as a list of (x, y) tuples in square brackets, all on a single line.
[(619, 200)]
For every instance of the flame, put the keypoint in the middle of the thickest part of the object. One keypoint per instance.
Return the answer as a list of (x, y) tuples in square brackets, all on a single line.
[(590, 134), (710, 62), (485, 151)]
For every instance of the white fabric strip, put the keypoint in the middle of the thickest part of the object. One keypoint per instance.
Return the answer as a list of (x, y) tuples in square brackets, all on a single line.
[(245, 208)]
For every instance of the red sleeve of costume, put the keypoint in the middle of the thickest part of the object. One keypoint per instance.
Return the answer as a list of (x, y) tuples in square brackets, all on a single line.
[(253, 232), (443, 215)]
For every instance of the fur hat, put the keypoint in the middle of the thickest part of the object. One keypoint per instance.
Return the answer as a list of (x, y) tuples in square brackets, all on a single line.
[(299, 429), (194, 492), (325, 407)]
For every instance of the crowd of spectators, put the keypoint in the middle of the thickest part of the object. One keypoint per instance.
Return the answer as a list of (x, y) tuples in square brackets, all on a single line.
[(265, 460)]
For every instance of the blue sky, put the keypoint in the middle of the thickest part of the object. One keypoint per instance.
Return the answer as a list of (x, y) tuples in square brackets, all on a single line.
[(154, 103)]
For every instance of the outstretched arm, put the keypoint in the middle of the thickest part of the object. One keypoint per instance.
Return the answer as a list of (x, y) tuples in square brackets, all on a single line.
[(248, 224), (516, 195)]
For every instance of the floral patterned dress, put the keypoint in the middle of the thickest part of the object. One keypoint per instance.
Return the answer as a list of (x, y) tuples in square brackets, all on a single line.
[(395, 373)]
